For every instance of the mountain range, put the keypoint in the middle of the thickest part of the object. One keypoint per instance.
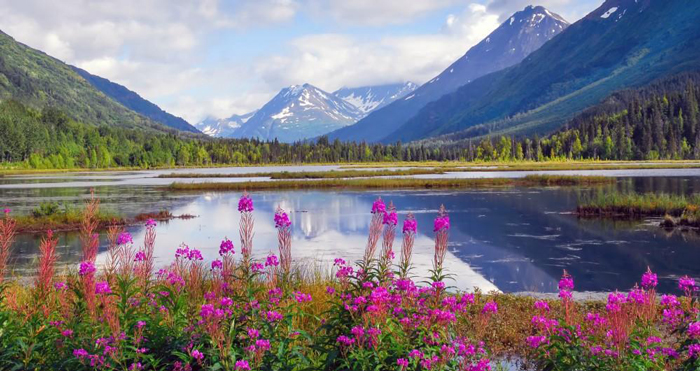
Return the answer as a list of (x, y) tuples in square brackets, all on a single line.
[(520, 35), (623, 43), (223, 128), (531, 75), (305, 111), (298, 112)]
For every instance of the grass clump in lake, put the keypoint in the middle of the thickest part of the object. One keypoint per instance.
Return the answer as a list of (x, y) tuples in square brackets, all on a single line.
[(62, 217), (639, 205), (332, 174), (398, 183)]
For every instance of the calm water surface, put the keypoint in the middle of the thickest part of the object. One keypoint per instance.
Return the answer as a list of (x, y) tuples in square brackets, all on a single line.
[(517, 239)]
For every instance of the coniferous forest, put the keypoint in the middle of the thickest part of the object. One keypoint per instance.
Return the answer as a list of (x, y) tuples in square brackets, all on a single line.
[(659, 121)]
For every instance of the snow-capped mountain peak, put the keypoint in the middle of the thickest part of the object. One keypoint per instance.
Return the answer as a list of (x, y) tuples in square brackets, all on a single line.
[(371, 98), (299, 112)]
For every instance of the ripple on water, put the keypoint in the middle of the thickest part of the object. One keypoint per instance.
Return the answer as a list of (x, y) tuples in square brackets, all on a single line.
[(546, 237)]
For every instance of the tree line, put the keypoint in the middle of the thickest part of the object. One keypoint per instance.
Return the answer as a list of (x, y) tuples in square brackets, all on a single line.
[(659, 121)]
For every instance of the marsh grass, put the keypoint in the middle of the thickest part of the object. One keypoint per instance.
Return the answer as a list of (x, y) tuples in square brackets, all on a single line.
[(636, 205), (332, 174), (397, 183), (71, 219)]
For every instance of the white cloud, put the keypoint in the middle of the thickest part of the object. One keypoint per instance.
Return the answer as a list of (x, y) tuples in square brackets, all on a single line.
[(377, 12), (331, 61)]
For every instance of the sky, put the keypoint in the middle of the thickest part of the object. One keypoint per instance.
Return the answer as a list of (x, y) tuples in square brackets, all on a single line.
[(217, 58)]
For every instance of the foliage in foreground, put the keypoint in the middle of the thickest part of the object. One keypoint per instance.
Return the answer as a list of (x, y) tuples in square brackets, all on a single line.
[(245, 314)]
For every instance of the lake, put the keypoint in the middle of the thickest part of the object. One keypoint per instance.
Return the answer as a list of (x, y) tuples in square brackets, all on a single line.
[(508, 239)]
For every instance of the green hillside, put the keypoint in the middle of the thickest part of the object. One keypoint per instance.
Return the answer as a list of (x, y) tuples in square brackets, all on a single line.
[(38, 80)]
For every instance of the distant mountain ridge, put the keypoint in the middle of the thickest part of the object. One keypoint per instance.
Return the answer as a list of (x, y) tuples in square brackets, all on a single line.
[(223, 128), (135, 102), (622, 44), (371, 98), (299, 112), (510, 43)]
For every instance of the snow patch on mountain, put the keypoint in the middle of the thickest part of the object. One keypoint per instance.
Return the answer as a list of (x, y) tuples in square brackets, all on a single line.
[(372, 98), (217, 127)]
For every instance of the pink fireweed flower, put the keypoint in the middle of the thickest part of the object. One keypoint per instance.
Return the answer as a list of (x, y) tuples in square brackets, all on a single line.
[(410, 225), (442, 222), (140, 256), (402, 362), (140, 324), (338, 262), (182, 252), (358, 332), (536, 341), (637, 296), (649, 280), (124, 238), (330, 290), (542, 306), (217, 264), (253, 333), (566, 282), (245, 203), (615, 301), (391, 218), (257, 267), (196, 354), (86, 268), (150, 223), (694, 351), (226, 302), (263, 344), (686, 284), (282, 219), (60, 286), (226, 247), (378, 207), (6, 211), (301, 297), (272, 261), (670, 301), (344, 340), (102, 288), (694, 330), (490, 307), (194, 254), (67, 333), (242, 365), (273, 316)]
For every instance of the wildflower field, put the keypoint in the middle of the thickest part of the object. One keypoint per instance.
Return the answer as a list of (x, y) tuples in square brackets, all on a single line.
[(242, 313)]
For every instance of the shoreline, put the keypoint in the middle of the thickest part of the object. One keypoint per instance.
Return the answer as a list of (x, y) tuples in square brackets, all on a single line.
[(467, 166)]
